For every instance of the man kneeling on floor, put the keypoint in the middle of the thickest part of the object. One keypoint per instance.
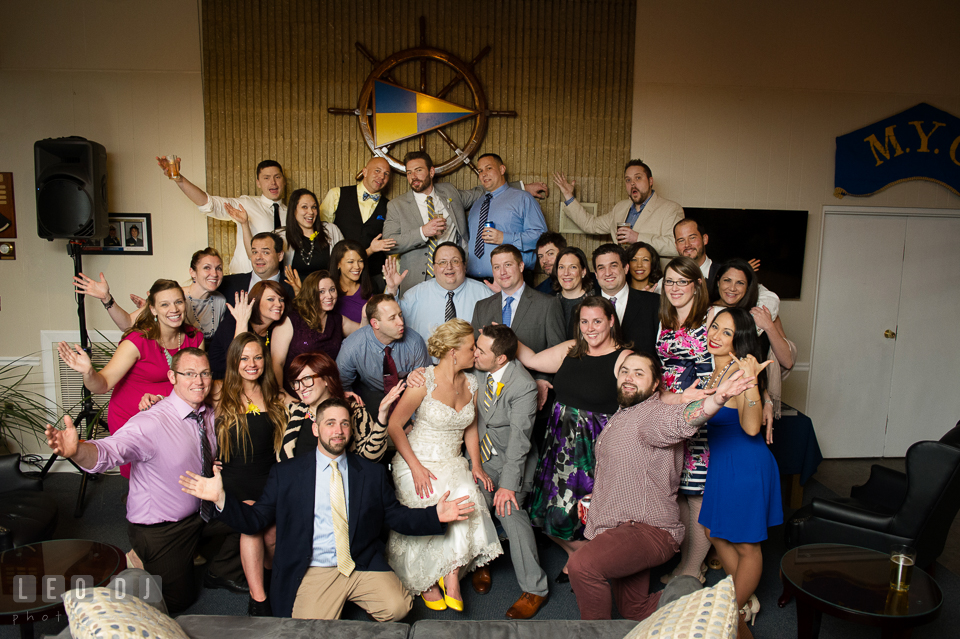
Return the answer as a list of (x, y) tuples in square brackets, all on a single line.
[(633, 522), (329, 509)]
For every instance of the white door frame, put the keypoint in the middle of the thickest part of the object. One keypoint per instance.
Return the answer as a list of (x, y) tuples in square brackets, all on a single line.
[(856, 210)]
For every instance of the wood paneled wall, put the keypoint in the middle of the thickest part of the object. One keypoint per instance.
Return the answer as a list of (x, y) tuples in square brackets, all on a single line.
[(271, 70)]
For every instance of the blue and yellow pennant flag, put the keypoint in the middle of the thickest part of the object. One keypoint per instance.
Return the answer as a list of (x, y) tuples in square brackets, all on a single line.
[(400, 113)]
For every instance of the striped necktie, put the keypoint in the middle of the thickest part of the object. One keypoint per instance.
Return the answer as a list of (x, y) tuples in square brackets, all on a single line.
[(488, 395), (484, 212), (450, 311), (341, 529), (432, 242), (206, 507)]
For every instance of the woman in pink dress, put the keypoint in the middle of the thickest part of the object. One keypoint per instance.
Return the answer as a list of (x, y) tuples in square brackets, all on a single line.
[(142, 359)]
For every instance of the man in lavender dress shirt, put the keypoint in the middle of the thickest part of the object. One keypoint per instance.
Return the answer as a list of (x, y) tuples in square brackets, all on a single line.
[(164, 523)]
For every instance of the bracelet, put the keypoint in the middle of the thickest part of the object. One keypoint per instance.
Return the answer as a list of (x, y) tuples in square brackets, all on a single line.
[(769, 401), (108, 304)]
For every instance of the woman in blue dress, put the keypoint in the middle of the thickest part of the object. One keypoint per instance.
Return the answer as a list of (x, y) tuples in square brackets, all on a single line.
[(741, 498)]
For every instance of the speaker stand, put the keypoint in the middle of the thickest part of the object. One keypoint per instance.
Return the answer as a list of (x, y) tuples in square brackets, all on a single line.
[(88, 414)]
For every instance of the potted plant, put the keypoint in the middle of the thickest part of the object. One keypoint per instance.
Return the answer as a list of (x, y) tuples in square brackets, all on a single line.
[(24, 413)]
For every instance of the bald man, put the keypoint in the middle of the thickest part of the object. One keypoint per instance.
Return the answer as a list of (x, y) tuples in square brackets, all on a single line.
[(359, 211)]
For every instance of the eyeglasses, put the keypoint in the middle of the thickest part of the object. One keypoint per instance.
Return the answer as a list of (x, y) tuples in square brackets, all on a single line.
[(193, 375), (446, 263), (680, 283), (304, 382)]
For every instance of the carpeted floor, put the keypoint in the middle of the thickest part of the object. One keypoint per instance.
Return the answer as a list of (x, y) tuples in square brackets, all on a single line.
[(103, 520)]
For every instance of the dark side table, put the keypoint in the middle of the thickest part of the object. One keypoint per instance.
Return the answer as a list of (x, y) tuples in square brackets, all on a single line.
[(65, 558), (854, 583)]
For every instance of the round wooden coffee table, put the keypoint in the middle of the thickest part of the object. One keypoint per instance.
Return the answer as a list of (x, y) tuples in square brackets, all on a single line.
[(65, 558), (854, 583)]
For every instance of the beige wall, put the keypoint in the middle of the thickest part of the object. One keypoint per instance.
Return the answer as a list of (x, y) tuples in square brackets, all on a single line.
[(126, 75), (738, 106)]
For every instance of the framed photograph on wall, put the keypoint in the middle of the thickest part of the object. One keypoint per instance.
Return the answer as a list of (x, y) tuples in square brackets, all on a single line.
[(128, 234)]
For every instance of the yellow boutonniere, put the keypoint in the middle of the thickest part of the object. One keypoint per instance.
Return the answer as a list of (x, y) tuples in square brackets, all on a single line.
[(499, 388), (252, 409), (314, 235)]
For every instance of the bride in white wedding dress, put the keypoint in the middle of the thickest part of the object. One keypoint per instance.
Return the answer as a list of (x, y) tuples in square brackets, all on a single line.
[(429, 463)]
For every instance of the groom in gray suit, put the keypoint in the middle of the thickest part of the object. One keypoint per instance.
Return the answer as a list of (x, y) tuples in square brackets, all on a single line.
[(506, 406)]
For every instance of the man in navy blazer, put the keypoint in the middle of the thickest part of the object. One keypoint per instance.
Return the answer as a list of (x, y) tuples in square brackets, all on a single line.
[(310, 579)]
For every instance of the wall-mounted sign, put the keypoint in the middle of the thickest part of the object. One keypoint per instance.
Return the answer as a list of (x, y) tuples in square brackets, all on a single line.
[(920, 143), (389, 113), (8, 214)]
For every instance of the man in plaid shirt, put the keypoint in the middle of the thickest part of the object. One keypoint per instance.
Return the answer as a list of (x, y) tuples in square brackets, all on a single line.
[(633, 522)]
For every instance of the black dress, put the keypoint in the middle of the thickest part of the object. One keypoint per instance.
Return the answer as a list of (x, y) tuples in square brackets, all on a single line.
[(245, 475)]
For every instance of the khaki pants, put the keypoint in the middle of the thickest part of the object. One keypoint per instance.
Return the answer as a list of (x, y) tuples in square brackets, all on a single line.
[(324, 591)]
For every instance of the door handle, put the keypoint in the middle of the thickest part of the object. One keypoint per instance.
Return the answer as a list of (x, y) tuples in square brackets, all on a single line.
[(889, 334)]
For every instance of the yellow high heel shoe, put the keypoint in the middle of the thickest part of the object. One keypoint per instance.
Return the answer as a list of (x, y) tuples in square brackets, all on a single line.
[(456, 604), (434, 605)]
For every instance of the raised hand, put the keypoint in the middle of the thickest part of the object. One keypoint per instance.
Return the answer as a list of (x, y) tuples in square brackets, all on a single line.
[(539, 190), (164, 165), (205, 488), (754, 264), (63, 442), (737, 383), (379, 244), (392, 275), (86, 286), (239, 214), (384, 413), (493, 286), (455, 510), (566, 188), (421, 481), (293, 279), (138, 301), (242, 308), (75, 358), (750, 366)]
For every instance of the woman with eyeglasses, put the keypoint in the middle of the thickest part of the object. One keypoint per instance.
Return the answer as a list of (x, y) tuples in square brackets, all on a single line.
[(314, 326), (682, 348), (142, 359), (250, 423), (316, 378)]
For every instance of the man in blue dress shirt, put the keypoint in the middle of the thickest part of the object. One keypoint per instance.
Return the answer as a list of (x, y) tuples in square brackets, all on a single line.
[(450, 294), (365, 357), (516, 217)]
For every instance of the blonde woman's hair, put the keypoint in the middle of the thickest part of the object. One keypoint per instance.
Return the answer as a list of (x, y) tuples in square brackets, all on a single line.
[(448, 336)]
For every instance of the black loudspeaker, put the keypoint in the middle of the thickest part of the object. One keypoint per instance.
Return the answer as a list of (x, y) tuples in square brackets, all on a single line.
[(71, 189)]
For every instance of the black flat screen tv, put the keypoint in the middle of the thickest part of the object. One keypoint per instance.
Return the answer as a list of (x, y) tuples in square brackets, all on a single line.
[(777, 238)]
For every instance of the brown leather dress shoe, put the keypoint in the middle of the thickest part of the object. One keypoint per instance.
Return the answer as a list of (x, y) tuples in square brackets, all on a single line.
[(527, 606), (482, 580)]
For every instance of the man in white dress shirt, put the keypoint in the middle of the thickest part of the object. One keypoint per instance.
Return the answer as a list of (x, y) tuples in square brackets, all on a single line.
[(265, 212)]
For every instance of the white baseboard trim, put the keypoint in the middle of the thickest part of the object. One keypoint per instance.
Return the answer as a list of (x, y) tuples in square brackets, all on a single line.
[(22, 361)]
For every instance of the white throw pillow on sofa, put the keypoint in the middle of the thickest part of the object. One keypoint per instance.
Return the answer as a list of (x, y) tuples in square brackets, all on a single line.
[(100, 614), (710, 613)]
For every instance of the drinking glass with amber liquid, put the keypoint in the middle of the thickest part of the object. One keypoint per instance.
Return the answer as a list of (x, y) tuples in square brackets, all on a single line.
[(902, 559)]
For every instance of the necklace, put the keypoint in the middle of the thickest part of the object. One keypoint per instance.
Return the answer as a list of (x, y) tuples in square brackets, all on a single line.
[(453, 384), (166, 352), (716, 380), (307, 248)]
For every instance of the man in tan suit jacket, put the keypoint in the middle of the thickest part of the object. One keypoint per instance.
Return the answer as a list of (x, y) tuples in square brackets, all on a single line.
[(654, 223)]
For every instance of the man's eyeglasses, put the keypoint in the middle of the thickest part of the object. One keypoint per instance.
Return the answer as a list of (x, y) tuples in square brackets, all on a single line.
[(193, 375), (680, 283), (304, 382), (446, 263)]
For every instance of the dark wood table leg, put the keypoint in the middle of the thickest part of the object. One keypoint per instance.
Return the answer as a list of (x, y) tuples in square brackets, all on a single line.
[(26, 630), (808, 619), (786, 594)]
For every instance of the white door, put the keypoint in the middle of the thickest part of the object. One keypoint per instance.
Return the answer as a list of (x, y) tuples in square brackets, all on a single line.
[(852, 364), (925, 392)]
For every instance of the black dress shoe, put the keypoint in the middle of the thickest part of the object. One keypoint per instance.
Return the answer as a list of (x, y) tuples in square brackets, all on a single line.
[(562, 578), (213, 582), (259, 608)]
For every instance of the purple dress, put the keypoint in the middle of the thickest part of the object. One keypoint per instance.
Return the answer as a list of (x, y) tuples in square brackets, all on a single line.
[(351, 306), (307, 340)]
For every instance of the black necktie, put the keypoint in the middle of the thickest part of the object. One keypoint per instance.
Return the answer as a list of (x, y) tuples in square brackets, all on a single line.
[(206, 507), (451, 311), (276, 216)]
